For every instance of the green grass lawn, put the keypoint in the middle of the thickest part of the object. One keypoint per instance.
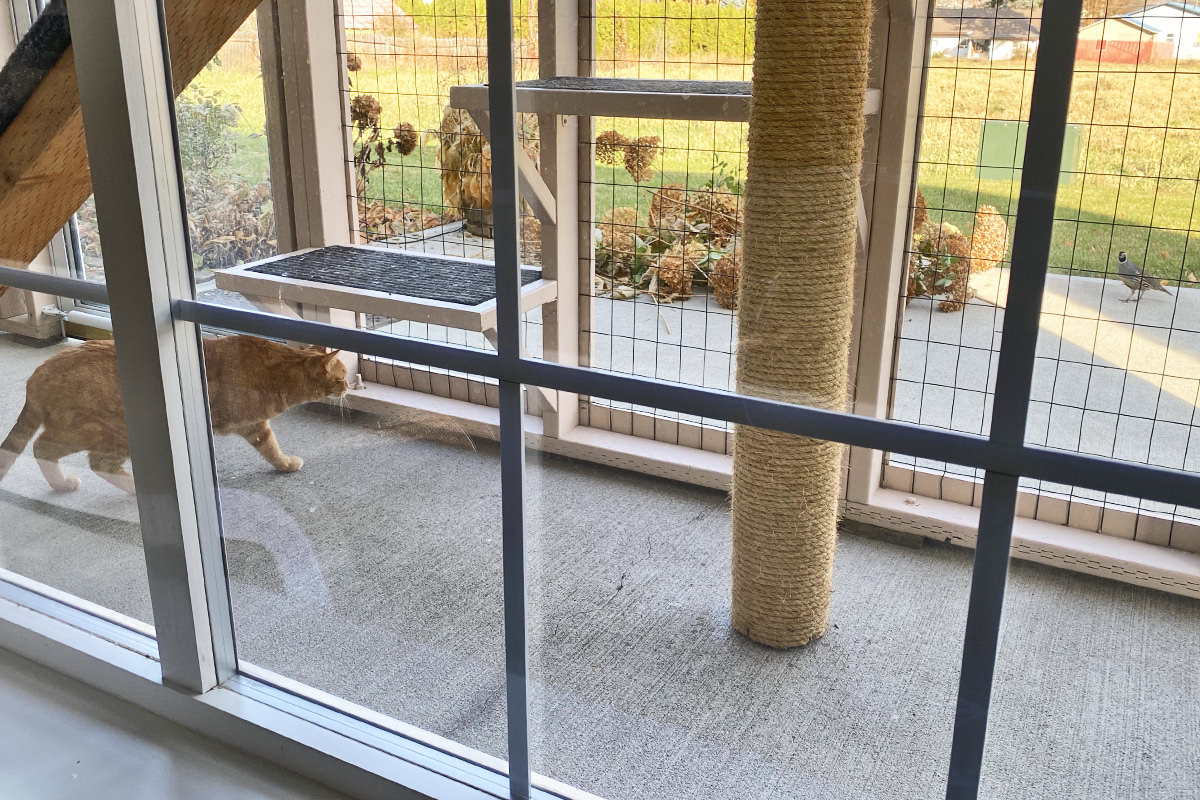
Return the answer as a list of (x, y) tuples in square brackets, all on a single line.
[(1135, 191)]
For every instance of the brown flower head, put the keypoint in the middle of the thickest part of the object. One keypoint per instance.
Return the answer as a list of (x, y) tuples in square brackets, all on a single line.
[(365, 111), (405, 137), (609, 145), (639, 157)]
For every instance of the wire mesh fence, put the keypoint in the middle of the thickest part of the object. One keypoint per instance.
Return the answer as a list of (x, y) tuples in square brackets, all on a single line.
[(1118, 361), (421, 167), (666, 250), (668, 201)]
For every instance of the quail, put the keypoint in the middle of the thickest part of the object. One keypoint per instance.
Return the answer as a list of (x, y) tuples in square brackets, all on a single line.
[(1132, 276)]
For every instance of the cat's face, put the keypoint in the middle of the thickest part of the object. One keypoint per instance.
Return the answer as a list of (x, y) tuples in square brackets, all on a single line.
[(330, 375)]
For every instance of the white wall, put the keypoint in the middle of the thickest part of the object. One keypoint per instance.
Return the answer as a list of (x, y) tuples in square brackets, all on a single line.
[(1179, 27)]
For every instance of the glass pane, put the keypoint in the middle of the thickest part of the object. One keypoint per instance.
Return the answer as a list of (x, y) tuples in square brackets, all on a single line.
[(1095, 683), (221, 123), (69, 521), (658, 285), (1117, 370), (221, 118), (641, 688), (362, 547), (661, 304)]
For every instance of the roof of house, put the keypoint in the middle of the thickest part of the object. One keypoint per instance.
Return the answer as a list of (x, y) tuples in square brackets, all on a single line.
[(1186, 8), (1000, 24), (362, 11), (1138, 18)]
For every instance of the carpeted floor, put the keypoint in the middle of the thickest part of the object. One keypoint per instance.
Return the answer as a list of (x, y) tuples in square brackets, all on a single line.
[(374, 574)]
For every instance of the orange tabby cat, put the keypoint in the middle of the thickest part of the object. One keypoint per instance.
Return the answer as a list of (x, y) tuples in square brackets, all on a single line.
[(75, 398)]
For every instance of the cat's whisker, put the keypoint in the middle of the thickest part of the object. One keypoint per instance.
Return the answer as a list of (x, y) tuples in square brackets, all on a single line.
[(466, 435)]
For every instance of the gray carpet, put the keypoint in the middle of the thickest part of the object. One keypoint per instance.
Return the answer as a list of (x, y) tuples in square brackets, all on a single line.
[(374, 573)]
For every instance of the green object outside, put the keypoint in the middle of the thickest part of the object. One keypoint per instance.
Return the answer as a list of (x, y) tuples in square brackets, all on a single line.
[(1002, 149)]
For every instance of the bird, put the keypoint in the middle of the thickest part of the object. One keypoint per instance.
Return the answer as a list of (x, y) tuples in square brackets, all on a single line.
[(1132, 276)]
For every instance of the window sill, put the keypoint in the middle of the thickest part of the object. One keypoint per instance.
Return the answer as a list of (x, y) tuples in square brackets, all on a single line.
[(351, 756)]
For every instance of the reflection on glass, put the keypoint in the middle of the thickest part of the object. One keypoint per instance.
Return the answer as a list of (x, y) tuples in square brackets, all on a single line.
[(70, 520), (634, 661), (363, 550), (1095, 691)]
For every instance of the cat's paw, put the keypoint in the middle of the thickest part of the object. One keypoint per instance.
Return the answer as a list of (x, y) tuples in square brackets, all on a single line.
[(68, 484), (291, 464)]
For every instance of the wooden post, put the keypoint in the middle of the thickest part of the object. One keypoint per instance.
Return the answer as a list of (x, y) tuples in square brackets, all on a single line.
[(558, 54), (310, 173), (313, 193), (886, 265)]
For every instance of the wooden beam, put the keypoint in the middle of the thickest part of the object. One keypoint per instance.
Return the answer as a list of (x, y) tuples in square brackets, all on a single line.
[(605, 97), (887, 242), (44, 173), (559, 53)]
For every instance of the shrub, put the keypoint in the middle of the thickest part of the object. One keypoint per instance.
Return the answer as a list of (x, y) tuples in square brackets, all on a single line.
[(207, 137)]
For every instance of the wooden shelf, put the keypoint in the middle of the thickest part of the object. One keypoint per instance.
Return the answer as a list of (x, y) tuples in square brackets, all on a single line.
[(398, 284), (720, 101)]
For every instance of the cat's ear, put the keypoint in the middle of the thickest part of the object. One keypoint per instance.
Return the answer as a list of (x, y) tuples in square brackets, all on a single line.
[(320, 349), (330, 357)]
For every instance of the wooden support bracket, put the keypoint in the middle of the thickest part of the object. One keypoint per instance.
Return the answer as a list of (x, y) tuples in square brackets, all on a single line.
[(533, 188)]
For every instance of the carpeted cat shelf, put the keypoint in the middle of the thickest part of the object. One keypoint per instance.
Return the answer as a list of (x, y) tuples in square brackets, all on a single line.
[(795, 306), (44, 176)]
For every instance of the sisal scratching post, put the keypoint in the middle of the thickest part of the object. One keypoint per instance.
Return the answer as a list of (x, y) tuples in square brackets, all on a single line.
[(795, 306)]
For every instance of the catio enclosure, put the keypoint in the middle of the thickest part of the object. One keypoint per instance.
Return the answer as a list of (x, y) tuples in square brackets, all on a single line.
[(1113, 378), (659, 199), (632, 205), (659, 210), (648, 233)]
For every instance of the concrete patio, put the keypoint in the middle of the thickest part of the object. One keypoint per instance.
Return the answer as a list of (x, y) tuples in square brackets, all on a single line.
[(1113, 378), (374, 574)]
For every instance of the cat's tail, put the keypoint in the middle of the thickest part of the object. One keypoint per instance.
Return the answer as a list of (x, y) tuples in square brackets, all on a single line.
[(18, 438)]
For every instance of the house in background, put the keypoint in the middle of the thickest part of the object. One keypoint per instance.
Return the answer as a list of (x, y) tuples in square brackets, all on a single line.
[(375, 15), (1160, 32), (1178, 24), (995, 34)]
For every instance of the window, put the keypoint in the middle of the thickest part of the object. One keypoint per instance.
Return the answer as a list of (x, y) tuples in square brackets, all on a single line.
[(443, 598)]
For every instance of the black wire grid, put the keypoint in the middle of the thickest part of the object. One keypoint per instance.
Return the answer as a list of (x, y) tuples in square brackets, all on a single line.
[(1115, 379), (406, 57)]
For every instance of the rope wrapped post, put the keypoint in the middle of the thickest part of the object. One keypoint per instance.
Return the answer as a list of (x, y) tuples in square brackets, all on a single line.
[(795, 304)]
